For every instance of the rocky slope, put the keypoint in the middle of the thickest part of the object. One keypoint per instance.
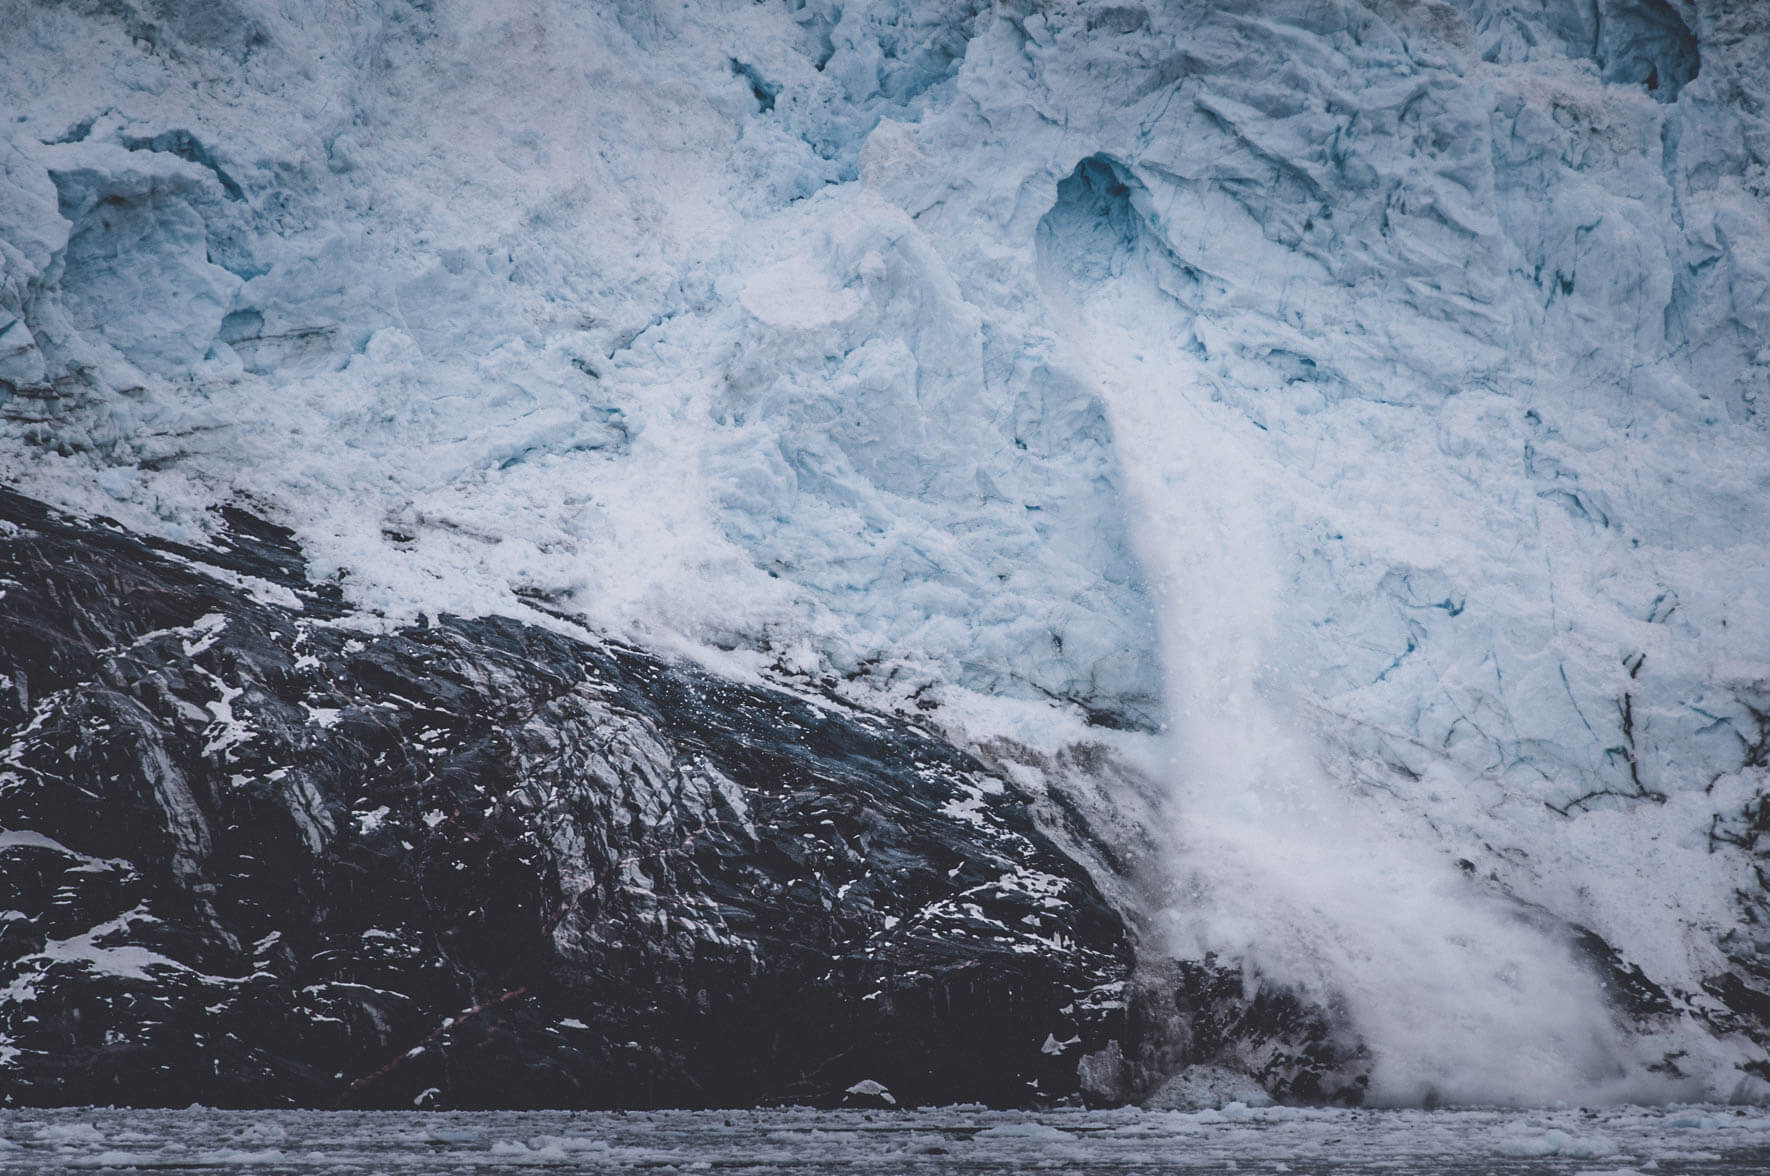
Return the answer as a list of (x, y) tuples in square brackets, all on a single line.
[(252, 854)]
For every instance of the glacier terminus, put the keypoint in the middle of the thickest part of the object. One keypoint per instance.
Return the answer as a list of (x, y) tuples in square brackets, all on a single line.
[(887, 552)]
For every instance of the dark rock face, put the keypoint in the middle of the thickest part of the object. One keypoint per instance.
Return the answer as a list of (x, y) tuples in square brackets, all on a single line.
[(1185, 1013), (251, 854)]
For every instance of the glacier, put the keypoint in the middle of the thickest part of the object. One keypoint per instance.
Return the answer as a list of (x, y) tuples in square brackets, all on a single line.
[(1349, 412)]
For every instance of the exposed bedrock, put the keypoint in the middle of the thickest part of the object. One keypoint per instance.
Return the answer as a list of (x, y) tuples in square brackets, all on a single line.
[(259, 857), (253, 854)]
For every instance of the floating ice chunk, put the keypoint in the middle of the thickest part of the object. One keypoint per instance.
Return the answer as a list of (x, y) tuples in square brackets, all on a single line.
[(70, 1133), (1556, 1142), (1029, 1130)]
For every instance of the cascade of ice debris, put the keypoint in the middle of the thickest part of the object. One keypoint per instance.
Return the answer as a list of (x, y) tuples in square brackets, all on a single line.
[(1459, 996)]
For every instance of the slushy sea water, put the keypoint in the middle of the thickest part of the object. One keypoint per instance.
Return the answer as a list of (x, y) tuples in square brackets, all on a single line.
[(1662, 1140)]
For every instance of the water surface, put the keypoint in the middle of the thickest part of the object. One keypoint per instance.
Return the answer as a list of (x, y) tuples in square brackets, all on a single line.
[(1660, 1141)]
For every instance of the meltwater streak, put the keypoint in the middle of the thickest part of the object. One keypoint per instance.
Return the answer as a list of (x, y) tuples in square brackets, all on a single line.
[(1459, 996)]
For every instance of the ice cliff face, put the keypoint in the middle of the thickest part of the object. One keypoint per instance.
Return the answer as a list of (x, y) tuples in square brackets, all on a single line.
[(1371, 394)]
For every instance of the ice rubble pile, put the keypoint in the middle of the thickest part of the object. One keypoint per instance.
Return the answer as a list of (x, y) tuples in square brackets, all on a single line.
[(1403, 363)]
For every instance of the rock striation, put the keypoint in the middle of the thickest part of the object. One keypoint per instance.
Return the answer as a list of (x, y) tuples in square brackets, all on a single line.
[(256, 854)]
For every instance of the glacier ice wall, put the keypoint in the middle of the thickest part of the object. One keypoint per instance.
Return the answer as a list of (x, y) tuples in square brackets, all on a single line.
[(633, 337), (1375, 388)]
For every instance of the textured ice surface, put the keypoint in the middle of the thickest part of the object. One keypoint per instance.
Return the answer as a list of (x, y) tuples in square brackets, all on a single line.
[(1375, 389), (1714, 1140)]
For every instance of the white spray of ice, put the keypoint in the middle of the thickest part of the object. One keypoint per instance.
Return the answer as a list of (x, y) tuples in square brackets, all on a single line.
[(1458, 996)]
